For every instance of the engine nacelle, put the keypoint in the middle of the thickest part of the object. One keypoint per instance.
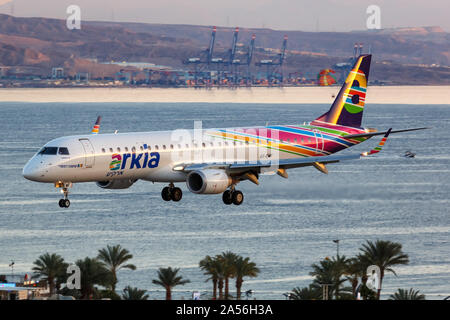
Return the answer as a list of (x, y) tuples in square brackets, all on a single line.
[(208, 181), (116, 184)]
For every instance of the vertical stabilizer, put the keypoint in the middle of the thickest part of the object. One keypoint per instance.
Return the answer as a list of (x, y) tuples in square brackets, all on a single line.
[(347, 108)]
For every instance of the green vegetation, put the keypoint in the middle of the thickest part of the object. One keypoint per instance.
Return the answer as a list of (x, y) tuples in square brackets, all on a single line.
[(385, 255), (114, 258), (130, 293), (307, 293), (337, 277), (405, 294), (168, 278), (225, 266), (335, 272), (50, 268), (93, 272)]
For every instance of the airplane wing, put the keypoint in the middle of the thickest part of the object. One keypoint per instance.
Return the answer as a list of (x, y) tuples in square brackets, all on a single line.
[(284, 163)]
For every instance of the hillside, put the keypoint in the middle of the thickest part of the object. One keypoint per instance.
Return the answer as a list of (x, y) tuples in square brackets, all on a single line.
[(401, 56)]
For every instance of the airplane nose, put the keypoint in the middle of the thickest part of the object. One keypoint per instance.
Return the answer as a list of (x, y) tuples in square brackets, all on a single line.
[(31, 172)]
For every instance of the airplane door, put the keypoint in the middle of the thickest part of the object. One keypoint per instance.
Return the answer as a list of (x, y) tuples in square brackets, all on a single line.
[(89, 153), (319, 140)]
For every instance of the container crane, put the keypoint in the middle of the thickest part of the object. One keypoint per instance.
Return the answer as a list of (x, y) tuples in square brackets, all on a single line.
[(271, 65), (198, 61)]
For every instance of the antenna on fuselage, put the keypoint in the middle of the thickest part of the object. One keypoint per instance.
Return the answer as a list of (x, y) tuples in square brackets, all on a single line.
[(96, 127)]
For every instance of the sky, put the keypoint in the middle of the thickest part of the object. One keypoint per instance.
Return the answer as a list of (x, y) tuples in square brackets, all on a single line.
[(304, 15)]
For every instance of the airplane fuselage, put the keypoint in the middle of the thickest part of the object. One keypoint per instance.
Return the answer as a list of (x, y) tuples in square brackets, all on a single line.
[(154, 156)]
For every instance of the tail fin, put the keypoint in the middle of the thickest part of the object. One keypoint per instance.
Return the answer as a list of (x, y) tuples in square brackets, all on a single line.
[(347, 108)]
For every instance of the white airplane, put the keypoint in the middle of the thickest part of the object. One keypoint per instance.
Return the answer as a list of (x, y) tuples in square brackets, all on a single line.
[(210, 161)]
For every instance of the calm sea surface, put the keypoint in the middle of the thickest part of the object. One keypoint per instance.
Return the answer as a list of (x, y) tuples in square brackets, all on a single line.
[(283, 225)]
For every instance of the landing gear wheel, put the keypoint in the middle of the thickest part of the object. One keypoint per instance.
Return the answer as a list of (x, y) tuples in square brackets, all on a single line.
[(237, 197), (176, 194), (64, 203), (166, 194), (226, 197)]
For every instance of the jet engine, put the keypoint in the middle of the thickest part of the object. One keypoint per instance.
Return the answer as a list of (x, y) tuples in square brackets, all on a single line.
[(208, 181), (116, 184)]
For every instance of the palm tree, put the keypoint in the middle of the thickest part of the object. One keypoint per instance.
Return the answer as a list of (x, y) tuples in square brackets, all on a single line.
[(243, 268), (307, 293), (130, 293), (385, 255), (404, 294), (93, 272), (114, 258), (354, 269), (228, 259), (329, 271), (167, 278), (211, 267), (50, 267)]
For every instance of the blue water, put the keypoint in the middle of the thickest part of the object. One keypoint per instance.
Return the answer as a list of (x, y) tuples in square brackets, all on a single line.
[(284, 226)]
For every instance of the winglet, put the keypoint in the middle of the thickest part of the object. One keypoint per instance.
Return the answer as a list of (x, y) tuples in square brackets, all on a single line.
[(96, 127), (379, 146)]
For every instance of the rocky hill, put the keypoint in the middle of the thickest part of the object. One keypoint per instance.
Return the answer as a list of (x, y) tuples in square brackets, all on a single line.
[(401, 56)]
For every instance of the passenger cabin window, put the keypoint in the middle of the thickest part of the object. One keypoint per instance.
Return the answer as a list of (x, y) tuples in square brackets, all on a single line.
[(103, 150), (63, 151), (48, 150), (111, 150), (126, 149), (118, 149)]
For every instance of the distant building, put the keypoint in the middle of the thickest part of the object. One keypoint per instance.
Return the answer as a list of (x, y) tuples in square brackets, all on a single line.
[(19, 287)]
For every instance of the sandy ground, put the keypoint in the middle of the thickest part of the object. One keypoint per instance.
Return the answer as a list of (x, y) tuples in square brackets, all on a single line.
[(381, 94)]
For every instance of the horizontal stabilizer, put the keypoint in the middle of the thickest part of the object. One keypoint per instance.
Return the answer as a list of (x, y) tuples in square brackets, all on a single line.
[(371, 134)]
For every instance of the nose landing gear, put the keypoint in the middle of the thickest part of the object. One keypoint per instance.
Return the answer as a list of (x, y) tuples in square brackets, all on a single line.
[(171, 193), (64, 186)]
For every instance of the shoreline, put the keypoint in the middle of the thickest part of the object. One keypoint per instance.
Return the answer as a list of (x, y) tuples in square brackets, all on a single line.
[(263, 95)]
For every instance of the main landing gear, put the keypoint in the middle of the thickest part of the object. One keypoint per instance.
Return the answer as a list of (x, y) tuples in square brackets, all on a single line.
[(233, 196), (171, 193), (64, 186)]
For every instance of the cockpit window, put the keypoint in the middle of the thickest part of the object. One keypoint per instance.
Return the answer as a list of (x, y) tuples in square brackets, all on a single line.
[(63, 151), (48, 150)]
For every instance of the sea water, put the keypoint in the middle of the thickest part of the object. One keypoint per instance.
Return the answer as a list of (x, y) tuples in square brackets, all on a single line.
[(284, 226)]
